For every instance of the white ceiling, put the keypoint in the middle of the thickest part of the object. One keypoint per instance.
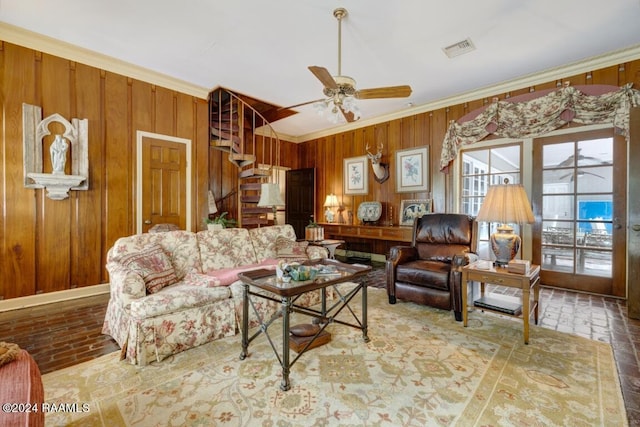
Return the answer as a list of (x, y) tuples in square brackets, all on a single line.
[(263, 48)]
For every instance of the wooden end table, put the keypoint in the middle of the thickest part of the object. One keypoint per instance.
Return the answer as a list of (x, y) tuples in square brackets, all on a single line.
[(288, 292), (329, 244), (500, 276)]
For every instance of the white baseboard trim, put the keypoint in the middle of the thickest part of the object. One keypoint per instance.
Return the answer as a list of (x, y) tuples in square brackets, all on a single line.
[(53, 297)]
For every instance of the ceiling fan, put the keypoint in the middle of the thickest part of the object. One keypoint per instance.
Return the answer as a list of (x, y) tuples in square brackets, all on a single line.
[(574, 160), (580, 173), (340, 91)]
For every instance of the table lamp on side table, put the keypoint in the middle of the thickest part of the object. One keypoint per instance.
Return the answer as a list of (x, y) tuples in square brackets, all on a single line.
[(506, 204), (330, 202)]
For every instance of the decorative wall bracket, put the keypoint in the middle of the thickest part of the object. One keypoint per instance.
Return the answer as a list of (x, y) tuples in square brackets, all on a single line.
[(57, 182)]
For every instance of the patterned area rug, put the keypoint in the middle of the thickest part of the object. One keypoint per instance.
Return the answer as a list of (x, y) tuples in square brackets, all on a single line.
[(421, 368)]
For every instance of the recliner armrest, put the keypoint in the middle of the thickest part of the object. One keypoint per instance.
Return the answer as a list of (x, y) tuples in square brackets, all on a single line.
[(402, 254)]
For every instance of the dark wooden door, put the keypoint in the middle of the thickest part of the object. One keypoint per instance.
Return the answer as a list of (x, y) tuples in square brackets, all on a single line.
[(300, 195)]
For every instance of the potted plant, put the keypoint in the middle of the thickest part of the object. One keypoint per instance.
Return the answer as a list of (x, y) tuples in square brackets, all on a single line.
[(219, 222), (313, 232)]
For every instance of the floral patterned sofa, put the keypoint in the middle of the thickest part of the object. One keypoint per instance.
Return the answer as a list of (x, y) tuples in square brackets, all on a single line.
[(175, 290)]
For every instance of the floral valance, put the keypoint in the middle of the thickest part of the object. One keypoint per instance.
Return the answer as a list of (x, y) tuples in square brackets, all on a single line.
[(541, 115)]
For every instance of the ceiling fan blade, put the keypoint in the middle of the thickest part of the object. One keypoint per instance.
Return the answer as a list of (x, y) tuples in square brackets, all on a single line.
[(324, 76), (301, 104), (384, 92), (348, 115)]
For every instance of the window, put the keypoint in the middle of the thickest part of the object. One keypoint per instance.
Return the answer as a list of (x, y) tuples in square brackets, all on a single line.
[(481, 168)]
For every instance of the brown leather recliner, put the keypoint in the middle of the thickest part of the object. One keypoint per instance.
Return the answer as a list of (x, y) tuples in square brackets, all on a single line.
[(429, 271)]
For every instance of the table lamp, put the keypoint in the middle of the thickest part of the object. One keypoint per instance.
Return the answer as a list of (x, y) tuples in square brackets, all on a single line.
[(506, 204), (270, 197), (330, 202)]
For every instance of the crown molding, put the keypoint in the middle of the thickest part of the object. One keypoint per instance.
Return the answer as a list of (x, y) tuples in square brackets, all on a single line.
[(609, 59), (39, 42)]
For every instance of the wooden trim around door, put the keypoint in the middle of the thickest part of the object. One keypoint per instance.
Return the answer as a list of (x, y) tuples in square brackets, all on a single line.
[(140, 135)]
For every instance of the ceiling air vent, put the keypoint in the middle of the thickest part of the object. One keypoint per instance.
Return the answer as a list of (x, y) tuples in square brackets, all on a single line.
[(459, 48)]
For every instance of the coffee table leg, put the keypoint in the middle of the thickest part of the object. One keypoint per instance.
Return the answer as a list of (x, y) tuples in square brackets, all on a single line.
[(286, 306), (365, 327), (245, 321)]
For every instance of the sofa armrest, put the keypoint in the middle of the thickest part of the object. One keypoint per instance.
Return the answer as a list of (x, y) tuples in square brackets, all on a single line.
[(125, 284), (317, 252)]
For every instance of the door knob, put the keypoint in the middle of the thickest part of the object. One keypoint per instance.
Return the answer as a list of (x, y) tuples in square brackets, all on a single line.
[(636, 227), (148, 221)]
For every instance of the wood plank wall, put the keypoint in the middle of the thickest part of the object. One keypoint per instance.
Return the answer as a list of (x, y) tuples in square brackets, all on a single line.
[(50, 245)]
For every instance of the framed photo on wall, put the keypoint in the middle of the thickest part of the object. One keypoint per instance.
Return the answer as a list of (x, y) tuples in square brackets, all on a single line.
[(356, 179), (412, 209), (412, 170)]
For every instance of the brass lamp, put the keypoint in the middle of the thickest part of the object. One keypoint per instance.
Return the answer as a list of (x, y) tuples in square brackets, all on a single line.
[(270, 197), (506, 204)]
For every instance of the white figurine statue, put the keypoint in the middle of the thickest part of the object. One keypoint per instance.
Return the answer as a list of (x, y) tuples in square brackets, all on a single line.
[(58, 152)]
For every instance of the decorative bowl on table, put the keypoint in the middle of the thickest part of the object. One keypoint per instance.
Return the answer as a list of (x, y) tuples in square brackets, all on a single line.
[(301, 273)]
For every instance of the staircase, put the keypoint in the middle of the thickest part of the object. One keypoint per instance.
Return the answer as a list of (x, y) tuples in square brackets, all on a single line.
[(252, 146)]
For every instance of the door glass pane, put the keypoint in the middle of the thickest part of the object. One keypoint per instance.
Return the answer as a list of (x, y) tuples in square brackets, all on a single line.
[(594, 179), (557, 207), (577, 207), (558, 155), (595, 152)]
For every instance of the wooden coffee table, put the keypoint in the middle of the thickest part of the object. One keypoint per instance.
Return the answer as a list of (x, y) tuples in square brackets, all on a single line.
[(288, 292)]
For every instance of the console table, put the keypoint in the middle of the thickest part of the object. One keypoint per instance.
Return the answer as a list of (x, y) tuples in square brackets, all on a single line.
[(377, 232)]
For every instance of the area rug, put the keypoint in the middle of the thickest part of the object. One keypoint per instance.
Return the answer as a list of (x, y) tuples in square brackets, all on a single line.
[(421, 368)]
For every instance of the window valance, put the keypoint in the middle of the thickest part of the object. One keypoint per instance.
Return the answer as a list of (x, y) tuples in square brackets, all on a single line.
[(547, 112)]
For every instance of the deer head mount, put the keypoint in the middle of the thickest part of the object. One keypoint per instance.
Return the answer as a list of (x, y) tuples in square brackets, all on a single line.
[(380, 170)]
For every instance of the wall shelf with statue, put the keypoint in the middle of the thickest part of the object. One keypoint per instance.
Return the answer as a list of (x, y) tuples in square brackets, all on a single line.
[(71, 143)]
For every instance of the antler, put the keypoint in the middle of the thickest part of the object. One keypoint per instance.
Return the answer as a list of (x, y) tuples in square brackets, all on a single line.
[(374, 157)]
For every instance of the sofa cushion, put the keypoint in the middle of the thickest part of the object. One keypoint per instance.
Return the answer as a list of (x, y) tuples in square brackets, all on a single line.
[(429, 274), (177, 297), (226, 248), (153, 265), (291, 250), (202, 280), (264, 239)]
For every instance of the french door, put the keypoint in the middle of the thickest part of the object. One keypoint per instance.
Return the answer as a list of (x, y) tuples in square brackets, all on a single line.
[(579, 200)]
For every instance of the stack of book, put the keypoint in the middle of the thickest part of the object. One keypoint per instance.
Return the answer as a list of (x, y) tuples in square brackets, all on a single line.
[(519, 266)]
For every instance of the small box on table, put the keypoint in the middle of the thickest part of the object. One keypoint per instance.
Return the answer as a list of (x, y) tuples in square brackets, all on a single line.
[(519, 266)]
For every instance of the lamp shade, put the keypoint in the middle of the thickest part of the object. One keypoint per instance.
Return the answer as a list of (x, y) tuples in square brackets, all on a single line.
[(270, 195), (331, 201), (506, 204)]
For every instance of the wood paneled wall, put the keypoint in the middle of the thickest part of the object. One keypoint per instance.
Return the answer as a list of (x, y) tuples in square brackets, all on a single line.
[(48, 245), (429, 128)]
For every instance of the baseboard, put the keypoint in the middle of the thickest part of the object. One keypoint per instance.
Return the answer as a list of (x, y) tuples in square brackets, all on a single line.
[(52, 297)]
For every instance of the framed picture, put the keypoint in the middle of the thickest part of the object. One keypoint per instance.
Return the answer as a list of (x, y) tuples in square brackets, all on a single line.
[(356, 179), (412, 170), (412, 209)]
